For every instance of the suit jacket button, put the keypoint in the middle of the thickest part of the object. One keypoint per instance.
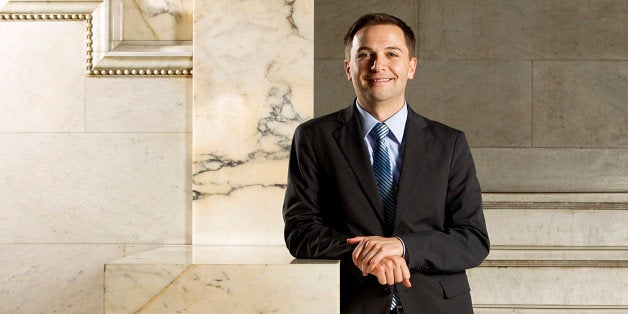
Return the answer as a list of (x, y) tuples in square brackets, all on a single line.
[(385, 291)]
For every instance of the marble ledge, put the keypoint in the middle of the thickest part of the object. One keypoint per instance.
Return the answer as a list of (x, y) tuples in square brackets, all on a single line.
[(221, 279), (217, 255)]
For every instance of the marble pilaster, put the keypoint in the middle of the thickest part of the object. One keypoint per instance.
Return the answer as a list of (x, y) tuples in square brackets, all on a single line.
[(253, 83)]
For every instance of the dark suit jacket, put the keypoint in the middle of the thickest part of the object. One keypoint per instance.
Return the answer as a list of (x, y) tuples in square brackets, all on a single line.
[(332, 195)]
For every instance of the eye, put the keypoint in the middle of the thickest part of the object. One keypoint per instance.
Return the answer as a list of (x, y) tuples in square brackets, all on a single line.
[(363, 55), (393, 54)]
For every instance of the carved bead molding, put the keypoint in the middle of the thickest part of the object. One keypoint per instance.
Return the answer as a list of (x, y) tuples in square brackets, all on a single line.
[(100, 61)]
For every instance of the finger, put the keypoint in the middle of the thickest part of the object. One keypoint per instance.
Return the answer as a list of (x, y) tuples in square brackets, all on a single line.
[(367, 256), (354, 240), (364, 252), (376, 259), (398, 273), (357, 259), (390, 275), (406, 276), (381, 275)]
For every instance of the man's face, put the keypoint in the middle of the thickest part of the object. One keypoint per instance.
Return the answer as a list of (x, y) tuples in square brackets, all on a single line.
[(380, 65)]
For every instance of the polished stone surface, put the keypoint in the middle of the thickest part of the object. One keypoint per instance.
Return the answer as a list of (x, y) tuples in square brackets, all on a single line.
[(136, 104), (529, 29), (333, 19), (54, 278), (94, 188), (33, 55), (547, 226), (581, 104), (332, 90), (205, 279), (549, 285), (489, 100), (253, 65), (552, 169), (157, 19)]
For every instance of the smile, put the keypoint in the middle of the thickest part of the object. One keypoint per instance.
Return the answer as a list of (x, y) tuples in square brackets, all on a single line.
[(378, 80)]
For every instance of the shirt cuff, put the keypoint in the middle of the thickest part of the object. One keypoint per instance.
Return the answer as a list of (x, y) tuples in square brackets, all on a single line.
[(404, 247)]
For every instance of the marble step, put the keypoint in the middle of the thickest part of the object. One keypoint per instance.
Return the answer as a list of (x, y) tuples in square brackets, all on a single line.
[(551, 280), (576, 220)]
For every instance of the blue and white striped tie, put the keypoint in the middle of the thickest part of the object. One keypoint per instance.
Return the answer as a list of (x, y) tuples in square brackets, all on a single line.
[(384, 176)]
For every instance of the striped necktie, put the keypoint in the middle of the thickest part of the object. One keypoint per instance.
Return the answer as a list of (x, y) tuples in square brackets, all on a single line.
[(384, 177), (383, 173)]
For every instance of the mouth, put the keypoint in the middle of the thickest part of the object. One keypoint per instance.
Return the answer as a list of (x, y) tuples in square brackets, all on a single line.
[(378, 80)]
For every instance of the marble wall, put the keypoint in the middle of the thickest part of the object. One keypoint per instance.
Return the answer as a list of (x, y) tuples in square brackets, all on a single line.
[(538, 86), (252, 86), (92, 169)]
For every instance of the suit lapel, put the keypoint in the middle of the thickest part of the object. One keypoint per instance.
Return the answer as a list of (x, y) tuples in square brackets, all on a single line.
[(417, 141), (349, 139)]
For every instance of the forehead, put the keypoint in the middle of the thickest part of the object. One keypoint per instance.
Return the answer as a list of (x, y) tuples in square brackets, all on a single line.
[(375, 36)]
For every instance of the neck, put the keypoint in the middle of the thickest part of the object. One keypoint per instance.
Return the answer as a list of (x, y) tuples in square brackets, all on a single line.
[(381, 111)]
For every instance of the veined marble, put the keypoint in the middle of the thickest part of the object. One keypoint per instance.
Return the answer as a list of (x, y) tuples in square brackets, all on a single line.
[(157, 19), (215, 279), (253, 84), (54, 278)]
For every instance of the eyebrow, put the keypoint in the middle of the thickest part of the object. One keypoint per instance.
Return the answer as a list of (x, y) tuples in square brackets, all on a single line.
[(387, 48)]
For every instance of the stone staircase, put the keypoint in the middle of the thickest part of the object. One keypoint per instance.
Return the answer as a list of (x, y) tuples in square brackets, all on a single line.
[(554, 253)]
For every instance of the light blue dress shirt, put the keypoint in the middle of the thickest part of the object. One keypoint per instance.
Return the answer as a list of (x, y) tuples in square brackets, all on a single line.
[(397, 126)]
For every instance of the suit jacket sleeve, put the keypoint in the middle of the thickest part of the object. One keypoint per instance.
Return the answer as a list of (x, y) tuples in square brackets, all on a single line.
[(463, 243), (305, 233)]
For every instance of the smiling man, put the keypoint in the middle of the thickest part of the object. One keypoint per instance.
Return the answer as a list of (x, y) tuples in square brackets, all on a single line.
[(391, 194)]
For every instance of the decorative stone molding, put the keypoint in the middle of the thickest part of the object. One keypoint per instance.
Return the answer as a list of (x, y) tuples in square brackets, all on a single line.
[(106, 55), (540, 307), (556, 205)]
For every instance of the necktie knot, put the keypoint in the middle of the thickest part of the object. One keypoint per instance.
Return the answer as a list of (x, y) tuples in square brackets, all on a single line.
[(381, 130)]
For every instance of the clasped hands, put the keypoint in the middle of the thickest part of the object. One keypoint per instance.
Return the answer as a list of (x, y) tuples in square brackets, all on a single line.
[(381, 257)]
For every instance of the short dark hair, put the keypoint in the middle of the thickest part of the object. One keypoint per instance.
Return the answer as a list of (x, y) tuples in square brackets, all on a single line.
[(372, 19)]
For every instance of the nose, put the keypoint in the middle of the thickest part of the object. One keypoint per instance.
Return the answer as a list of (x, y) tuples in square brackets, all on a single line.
[(378, 64)]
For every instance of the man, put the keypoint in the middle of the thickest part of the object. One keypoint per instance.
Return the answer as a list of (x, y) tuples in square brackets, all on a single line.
[(391, 194)]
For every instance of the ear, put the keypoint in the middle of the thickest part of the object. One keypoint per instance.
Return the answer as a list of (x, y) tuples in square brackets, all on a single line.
[(412, 68), (348, 70)]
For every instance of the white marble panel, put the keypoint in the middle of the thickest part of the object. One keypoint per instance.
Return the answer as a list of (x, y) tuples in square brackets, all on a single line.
[(251, 215), (134, 248), (42, 87), (94, 188), (157, 19), (210, 279), (253, 84), (133, 104), (53, 278), (549, 285), (557, 227)]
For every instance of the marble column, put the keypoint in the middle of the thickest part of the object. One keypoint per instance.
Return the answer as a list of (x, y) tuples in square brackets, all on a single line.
[(253, 84)]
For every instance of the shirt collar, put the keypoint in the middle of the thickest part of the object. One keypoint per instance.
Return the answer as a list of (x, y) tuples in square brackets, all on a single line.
[(396, 123)]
